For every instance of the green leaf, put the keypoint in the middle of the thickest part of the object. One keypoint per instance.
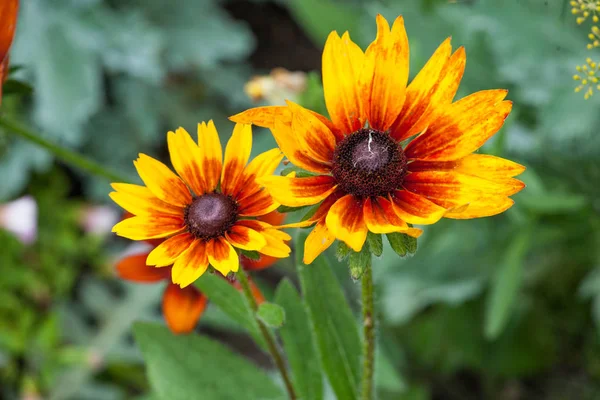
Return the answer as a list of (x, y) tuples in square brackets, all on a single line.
[(13, 86), (359, 262), (333, 324), (287, 209), (505, 286), (231, 301), (375, 243), (310, 212), (14, 68), (251, 255), (298, 343), (342, 251), (300, 173), (271, 314), (194, 367), (402, 244)]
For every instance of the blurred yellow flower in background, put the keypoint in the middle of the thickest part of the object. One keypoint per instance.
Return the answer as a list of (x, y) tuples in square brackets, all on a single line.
[(277, 87), (584, 8), (587, 77)]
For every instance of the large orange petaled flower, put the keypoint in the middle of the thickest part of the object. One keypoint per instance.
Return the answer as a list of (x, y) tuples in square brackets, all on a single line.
[(366, 177), (209, 210)]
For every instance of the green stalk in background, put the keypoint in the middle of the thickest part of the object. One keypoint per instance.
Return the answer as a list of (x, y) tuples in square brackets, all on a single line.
[(70, 157), (368, 354), (268, 336)]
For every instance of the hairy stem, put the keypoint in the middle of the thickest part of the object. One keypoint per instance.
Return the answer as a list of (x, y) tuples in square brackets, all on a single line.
[(368, 352), (267, 334), (70, 157)]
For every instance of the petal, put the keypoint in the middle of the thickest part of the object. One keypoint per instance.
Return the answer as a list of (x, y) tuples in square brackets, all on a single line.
[(139, 200), (149, 227), (345, 221), (133, 268), (245, 238), (222, 256), (167, 252), (276, 244), (211, 155), (463, 128), (191, 264), (8, 11), (416, 209), (481, 165), (182, 308), (237, 154), (484, 206), (264, 164), (276, 240), (259, 204), (451, 189), (342, 64), (380, 217), (320, 213), (264, 116), (296, 192), (312, 136), (385, 74), (162, 181), (444, 92), (317, 241), (253, 199), (419, 94), (289, 144), (185, 157), (414, 232)]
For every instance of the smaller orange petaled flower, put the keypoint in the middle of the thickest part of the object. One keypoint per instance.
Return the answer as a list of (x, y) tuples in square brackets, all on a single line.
[(8, 23), (208, 210), (391, 154), (182, 308)]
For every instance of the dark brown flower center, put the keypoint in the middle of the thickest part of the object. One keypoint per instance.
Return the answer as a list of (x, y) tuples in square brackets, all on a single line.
[(369, 163), (210, 215)]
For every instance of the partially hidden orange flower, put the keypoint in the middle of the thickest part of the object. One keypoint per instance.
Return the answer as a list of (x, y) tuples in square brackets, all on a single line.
[(390, 155), (208, 210), (182, 308), (8, 24)]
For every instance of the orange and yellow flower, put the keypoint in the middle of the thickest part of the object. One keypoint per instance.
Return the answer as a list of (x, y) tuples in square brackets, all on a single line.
[(208, 210), (181, 308), (391, 154)]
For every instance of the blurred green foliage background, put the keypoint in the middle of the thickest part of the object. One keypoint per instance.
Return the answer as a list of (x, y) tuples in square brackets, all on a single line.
[(499, 308)]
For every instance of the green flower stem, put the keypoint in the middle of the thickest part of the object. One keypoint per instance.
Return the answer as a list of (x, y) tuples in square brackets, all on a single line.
[(66, 155), (267, 334), (368, 333)]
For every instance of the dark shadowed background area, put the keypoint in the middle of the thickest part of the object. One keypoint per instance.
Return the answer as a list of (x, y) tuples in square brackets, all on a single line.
[(503, 308)]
